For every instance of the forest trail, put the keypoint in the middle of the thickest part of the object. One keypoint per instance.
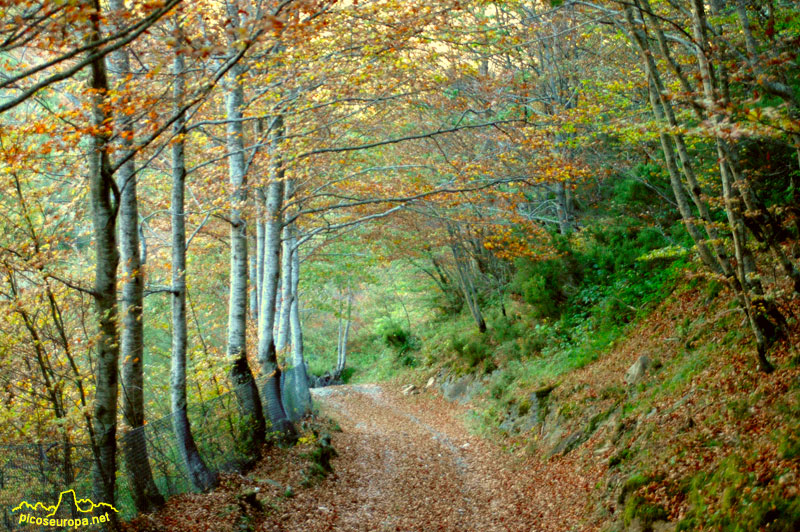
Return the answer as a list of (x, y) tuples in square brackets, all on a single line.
[(407, 463)]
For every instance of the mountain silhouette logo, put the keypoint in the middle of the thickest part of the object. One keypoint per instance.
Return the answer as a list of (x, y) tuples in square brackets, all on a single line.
[(66, 499)]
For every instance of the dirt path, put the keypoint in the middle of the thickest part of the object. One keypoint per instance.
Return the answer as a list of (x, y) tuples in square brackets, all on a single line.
[(408, 464)]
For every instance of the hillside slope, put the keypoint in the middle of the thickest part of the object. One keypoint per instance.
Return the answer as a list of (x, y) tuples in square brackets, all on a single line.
[(684, 426)]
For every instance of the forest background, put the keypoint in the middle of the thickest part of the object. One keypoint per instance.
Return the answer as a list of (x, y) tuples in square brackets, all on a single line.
[(209, 197)]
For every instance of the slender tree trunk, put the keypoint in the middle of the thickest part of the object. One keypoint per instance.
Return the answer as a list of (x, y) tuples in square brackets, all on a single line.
[(58, 320), (714, 257), (745, 264), (134, 443), (340, 347), (344, 333), (755, 312), (465, 278), (744, 21), (201, 477), (343, 354), (104, 198), (267, 354), (253, 293), (736, 275), (299, 383), (52, 382), (287, 293), (241, 375), (339, 344), (260, 204), (285, 308), (762, 224), (564, 209), (282, 342)]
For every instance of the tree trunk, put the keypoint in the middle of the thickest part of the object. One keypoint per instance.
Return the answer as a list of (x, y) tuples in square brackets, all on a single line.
[(344, 333), (241, 375), (146, 496), (736, 275), (253, 254), (103, 198), (52, 382), (301, 396), (466, 281), (564, 208), (286, 292), (745, 264), (199, 474), (762, 224), (284, 312), (267, 355), (714, 257), (259, 276)]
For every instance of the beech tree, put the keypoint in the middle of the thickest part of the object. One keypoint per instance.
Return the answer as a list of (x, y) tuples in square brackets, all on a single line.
[(104, 202), (267, 352), (137, 463), (36, 23), (242, 376), (199, 473)]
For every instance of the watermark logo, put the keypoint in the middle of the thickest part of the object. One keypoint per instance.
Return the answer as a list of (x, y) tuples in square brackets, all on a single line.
[(95, 513)]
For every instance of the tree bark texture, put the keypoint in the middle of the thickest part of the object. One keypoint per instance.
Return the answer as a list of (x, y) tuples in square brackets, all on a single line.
[(344, 334), (201, 477), (244, 384), (267, 354), (145, 494), (104, 201), (297, 389)]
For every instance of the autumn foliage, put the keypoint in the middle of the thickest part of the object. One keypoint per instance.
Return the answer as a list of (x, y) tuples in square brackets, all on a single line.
[(193, 193)]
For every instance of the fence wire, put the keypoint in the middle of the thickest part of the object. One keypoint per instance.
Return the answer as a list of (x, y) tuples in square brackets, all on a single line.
[(41, 472)]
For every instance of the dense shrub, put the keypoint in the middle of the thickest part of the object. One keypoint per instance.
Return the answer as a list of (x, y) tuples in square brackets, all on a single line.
[(394, 335), (606, 272), (399, 339), (471, 349), (547, 285)]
